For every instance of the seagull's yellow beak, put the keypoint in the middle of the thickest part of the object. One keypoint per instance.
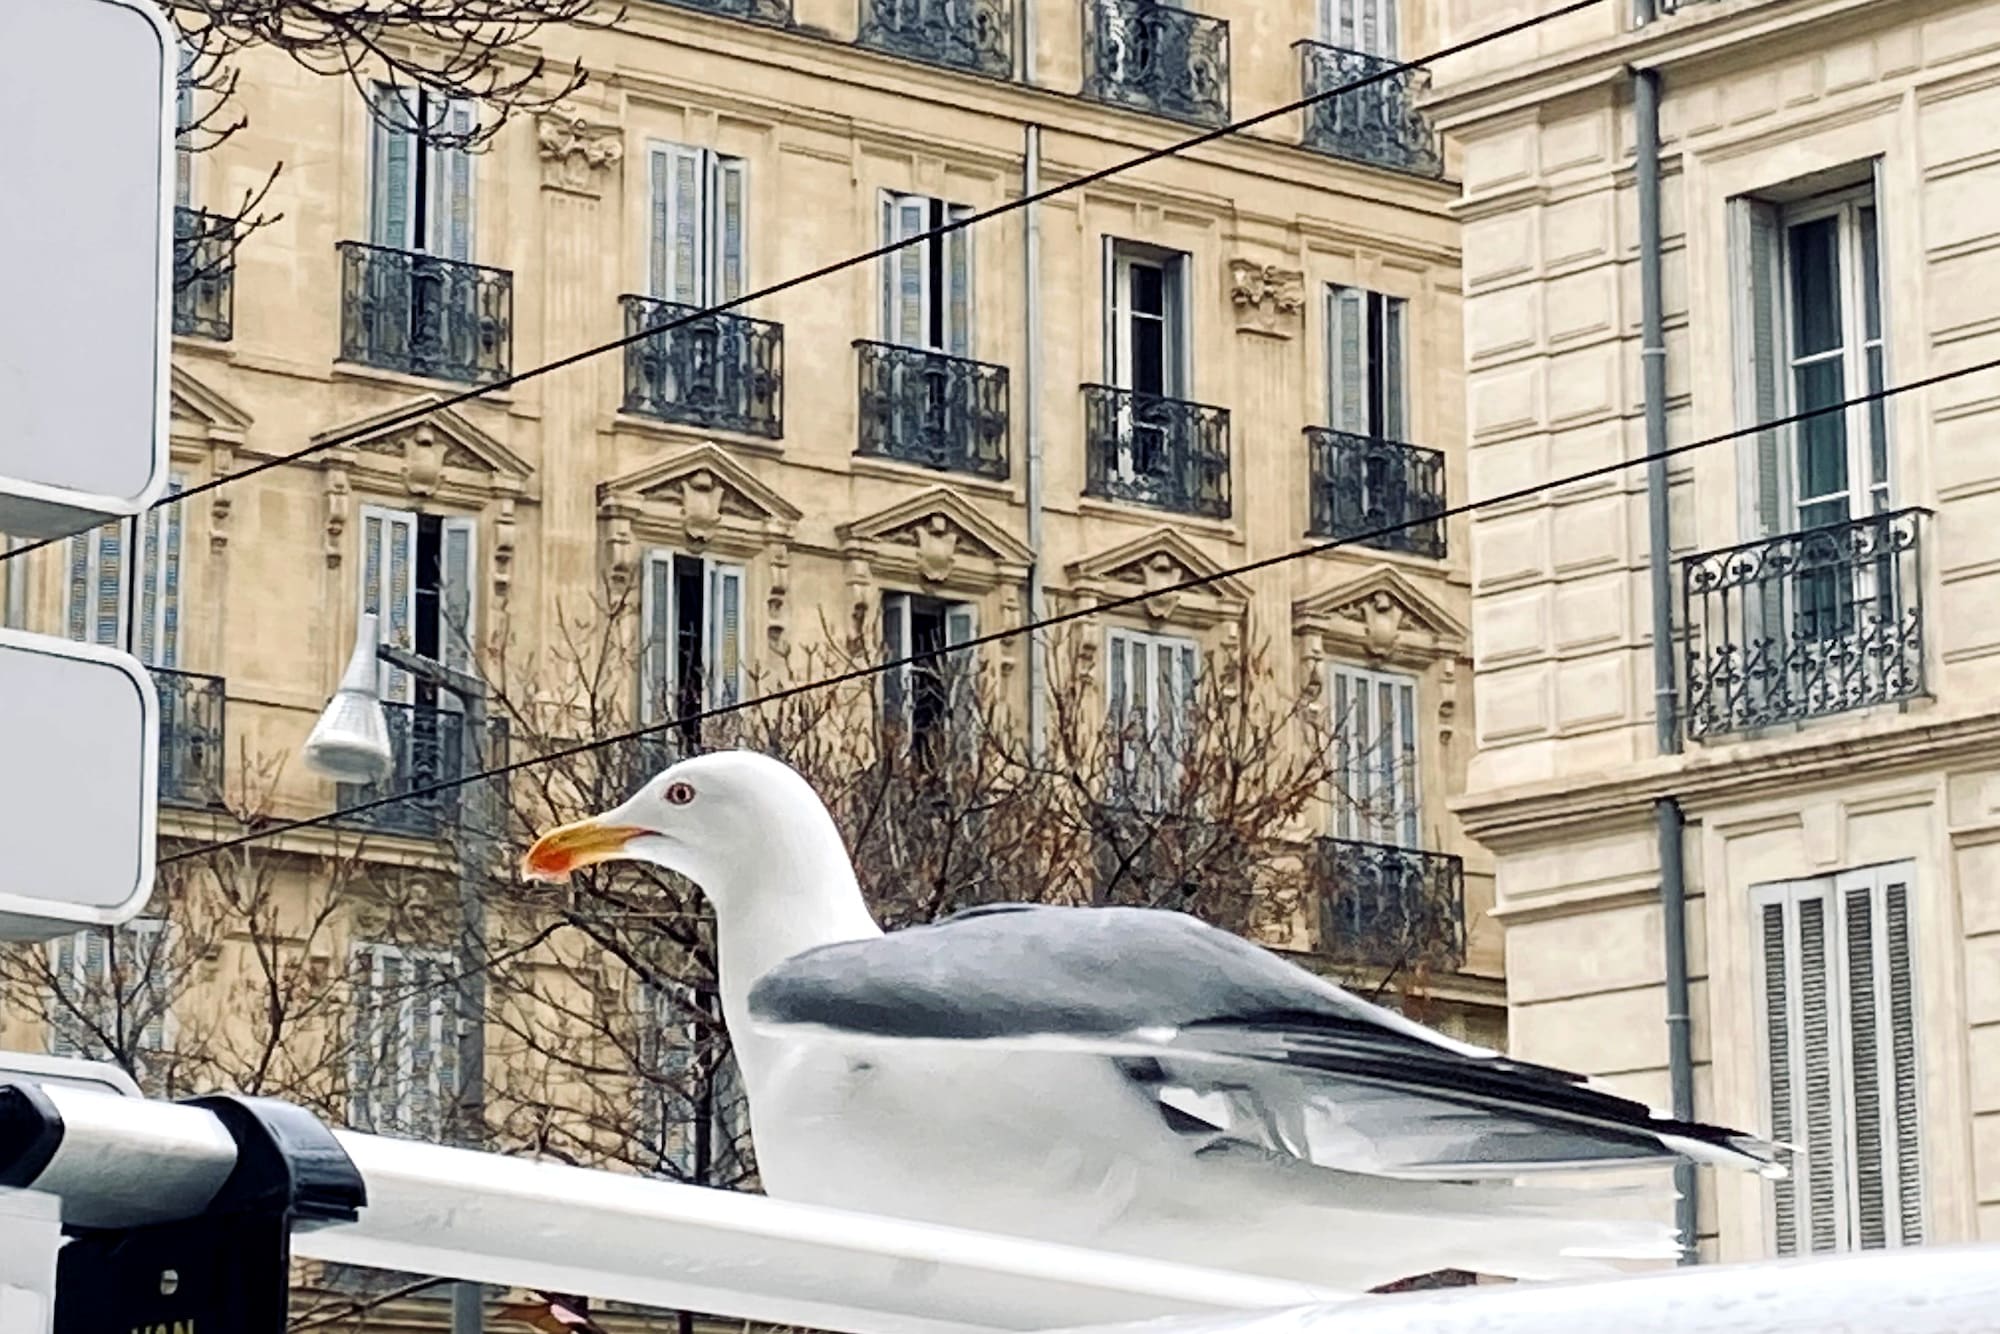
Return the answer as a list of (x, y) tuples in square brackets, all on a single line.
[(563, 850)]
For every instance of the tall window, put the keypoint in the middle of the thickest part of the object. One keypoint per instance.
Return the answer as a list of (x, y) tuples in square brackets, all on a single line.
[(1376, 757), (112, 991), (1839, 1035), (926, 287), (929, 699), (421, 191), (699, 203), (671, 1112), (1150, 682), (403, 1072), (1359, 25), (100, 606), (184, 117), (692, 654), (417, 576), (1146, 341), (1366, 357)]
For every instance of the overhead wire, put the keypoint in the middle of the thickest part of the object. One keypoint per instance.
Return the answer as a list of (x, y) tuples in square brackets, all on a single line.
[(1198, 581), (417, 411)]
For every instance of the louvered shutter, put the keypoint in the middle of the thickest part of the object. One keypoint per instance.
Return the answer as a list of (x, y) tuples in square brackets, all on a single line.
[(97, 586), (392, 217), (388, 587), (158, 639), (958, 285), (1177, 342), (1865, 1065), (1376, 757), (1360, 25), (1762, 348), (1347, 359), (680, 258), (656, 651), (457, 598), (730, 191), (723, 617), (452, 177), (1900, 965), (1779, 1056), (66, 973), (961, 668), (1395, 423), (896, 647), (906, 287)]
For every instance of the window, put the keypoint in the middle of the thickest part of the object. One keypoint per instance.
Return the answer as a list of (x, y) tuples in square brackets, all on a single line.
[(13, 586), (1359, 25), (99, 602), (691, 659), (926, 287), (1366, 358), (1146, 343), (421, 191), (1151, 682), (1375, 746), (668, 1041), (699, 199), (1839, 1035), (922, 699), (184, 117), (403, 1075), (417, 577), (111, 991)]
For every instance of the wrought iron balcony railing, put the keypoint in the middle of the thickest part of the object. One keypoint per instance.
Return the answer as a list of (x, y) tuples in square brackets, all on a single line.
[(1157, 58), (191, 738), (1163, 452), (757, 11), (1362, 485), (1377, 123), (403, 310), (723, 372), (204, 274), (1799, 626), (940, 411), (1385, 906), (429, 748), (975, 35)]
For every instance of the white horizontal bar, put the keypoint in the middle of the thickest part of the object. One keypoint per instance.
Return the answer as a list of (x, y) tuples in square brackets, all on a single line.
[(494, 1219), (1922, 1290)]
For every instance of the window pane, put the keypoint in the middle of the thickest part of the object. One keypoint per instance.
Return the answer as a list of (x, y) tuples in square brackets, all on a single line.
[(1148, 290), (1815, 287), (1148, 356), (1871, 277), (1878, 427), (1822, 461)]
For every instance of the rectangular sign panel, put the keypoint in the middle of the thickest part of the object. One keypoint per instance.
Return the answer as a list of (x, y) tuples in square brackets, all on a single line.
[(79, 786), (87, 91)]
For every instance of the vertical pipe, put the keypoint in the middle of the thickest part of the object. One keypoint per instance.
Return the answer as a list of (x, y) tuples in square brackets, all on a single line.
[(1669, 824), (468, 1299), (1031, 472)]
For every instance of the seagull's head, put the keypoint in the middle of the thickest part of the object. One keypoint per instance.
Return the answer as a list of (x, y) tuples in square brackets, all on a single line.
[(710, 818)]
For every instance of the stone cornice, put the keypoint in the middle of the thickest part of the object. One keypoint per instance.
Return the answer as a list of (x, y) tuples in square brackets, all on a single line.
[(1722, 775)]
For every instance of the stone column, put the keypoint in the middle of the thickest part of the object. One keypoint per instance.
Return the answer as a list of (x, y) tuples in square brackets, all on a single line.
[(1266, 436)]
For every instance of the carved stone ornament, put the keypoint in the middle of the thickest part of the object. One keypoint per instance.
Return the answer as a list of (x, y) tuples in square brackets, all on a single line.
[(1268, 299), (577, 153)]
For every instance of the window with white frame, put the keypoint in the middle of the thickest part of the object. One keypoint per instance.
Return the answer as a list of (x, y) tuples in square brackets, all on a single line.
[(1359, 25), (697, 227), (100, 608), (671, 1111), (928, 699), (1838, 1034), (111, 996), (927, 286), (418, 576), (1150, 683), (1367, 353), (1375, 756), (691, 651), (403, 1071), (420, 175), (184, 117), (1146, 343)]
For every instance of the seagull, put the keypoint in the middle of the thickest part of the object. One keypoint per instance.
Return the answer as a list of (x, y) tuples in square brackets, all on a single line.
[(1128, 1079)]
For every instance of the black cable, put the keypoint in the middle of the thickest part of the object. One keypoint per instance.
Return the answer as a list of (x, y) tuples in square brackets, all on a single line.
[(400, 419), (1129, 600)]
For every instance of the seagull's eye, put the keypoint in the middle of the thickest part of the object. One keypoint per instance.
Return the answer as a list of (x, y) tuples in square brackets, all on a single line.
[(679, 794)]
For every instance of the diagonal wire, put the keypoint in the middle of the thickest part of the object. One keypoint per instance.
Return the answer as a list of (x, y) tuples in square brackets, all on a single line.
[(420, 410), (1527, 492)]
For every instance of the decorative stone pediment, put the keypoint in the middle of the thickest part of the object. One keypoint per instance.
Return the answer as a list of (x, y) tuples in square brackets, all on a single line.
[(1384, 615), (936, 538), (1157, 564), (1268, 299), (203, 414), (578, 154), (440, 454)]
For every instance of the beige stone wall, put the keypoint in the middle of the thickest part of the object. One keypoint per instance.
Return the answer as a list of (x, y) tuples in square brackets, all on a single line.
[(1758, 94)]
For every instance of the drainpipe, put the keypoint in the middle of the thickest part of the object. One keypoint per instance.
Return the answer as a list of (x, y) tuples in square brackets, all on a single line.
[(1031, 472), (1668, 822)]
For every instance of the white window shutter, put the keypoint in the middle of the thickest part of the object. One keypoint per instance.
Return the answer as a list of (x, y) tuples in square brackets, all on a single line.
[(1864, 1049), (1178, 336), (392, 170), (1816, 1055), (961, 669), (451, 222), (1901, 1022), (97, 585), (895, 647), (660, 222), (657, 649), (160, 583), (1376, 757), (458, 631), (1347, 359), (730, 191), (958, 286), (680, 261), (906, 272), (389, 587), (723, 620), (1395, 424), (1779, 1056), (1759, 241)]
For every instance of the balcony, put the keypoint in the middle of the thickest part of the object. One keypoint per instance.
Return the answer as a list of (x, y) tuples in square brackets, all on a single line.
[(1157, 58), (1791, 628), (720, 372), (975, 35), (755, 11), (1363, 485), (933, 410), (428, 744), (1378, 123), (402, 310), (204, 275), (1386, 907), (191, 737), (1163, 452)]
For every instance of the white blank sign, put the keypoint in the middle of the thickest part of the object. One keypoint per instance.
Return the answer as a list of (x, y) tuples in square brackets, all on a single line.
[(79, 756), (87, 94)]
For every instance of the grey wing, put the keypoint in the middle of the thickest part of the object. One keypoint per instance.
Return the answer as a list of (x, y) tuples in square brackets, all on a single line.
[(1231, 1041)]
